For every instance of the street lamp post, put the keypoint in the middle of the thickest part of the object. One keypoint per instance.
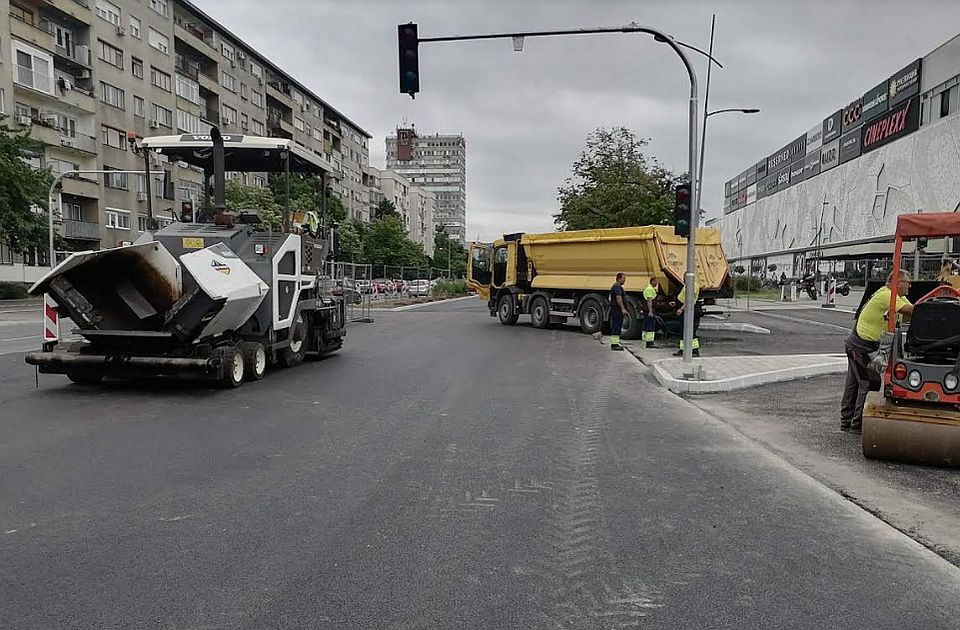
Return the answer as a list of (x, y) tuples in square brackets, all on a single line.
[(703, 139)]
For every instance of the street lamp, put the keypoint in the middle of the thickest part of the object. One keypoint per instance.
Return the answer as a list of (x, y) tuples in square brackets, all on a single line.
[(703, 138)]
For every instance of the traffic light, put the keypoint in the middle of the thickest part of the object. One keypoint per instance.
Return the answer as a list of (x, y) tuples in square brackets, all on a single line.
[(409, 61), (681, 210), (186, 212)]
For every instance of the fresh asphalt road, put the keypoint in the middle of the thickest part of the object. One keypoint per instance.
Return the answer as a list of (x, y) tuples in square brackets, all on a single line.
[(441, 471)]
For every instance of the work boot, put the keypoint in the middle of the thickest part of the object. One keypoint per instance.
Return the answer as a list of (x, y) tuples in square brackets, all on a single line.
[(650, 344), (616, 347), (696, 352), (856, 429)]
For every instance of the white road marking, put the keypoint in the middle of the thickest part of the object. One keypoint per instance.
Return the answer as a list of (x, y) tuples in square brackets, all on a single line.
[(10, 531), (410, 307)]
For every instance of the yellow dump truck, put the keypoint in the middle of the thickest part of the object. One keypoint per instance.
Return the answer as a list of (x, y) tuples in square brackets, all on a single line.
[(561, 275)]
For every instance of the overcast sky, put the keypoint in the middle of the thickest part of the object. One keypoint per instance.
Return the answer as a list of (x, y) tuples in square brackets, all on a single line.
[(525, 115)]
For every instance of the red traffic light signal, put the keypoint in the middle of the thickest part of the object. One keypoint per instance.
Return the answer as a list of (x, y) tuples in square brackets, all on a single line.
[(409, 60)]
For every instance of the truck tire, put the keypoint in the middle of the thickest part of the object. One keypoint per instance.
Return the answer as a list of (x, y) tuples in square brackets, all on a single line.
[(293, 354), (507, 310), (539, 312), (254, 360), (82, 378), (632, 321), (232, 368), (591, 315)]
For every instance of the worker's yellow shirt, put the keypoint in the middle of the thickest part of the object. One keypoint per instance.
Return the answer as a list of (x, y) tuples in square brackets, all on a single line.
[(650, 293), (871, 325), (682, 296)]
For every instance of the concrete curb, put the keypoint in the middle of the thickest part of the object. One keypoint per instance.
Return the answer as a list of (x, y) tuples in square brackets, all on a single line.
[(734, 327), (831, 364)]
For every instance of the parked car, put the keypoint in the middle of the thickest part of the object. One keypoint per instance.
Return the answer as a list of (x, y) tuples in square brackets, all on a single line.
[(348, 289), (364, 286), (419, 288), (382, 285)]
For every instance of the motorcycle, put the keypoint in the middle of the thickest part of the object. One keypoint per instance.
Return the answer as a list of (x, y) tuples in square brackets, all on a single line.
[(843, 288), (809, 284)]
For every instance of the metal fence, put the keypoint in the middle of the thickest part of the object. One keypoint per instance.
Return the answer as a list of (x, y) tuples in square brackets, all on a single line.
[(397, 272), (354, 283)]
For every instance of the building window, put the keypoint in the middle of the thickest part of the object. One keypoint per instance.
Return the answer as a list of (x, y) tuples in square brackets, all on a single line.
[(256, 70), (138, 107), (68, 126), (256, 98), (112, 137), (188, 89), (117, 219), (111, 54), (135, 27), (244, 92), (189, 191), (160, 6), (116, 181), (229, 115), (71, 211), (161, 79), (159, 41), (162, 115), (111, 95), (108, 11), (297, 98), (257, 128), (136, 66), (298, 124), (3, 99), (229, 81), (259, 181), (141, 223), (244, 122), (187, 122), (33, 68), (228, 51)]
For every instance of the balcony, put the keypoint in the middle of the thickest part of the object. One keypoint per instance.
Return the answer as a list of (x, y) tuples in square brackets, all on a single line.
[(208, 83), (77, 9), (81, 230), (79, 55), (211, 117), (79, 99), (187, 68), (194, 37), (40, 35), (80, 187), (50, 135), (276, 91)]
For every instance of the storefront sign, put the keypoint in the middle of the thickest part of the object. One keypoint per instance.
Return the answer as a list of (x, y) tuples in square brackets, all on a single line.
[(905, 83), (875, 101), (778, 159), (811, 164), (850, 146), (904, 119), (761, 169), (796, 172), (814, 138), (852, 115), (783, 179), (798, 148), (831, 127), (751, 194), (830, 155), (751, 176)]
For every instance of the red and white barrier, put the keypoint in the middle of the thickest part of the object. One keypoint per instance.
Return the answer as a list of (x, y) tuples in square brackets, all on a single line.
[(51, 320), (831, 294)]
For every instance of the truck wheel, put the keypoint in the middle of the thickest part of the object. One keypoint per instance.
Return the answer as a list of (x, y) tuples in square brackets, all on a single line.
[(294, 353), (81, 378), (507, 310), (232, 367), (539, 312), (632, 321), (254, 360), (591, 315)]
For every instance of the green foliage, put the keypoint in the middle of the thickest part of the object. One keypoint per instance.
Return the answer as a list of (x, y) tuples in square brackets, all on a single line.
[(351, 241), (386, 243), (21, 188), (306, 195), (386, 208), (744, 284), (13, 291), (444, 245), (240, 197), (614, 185), (450, 288)]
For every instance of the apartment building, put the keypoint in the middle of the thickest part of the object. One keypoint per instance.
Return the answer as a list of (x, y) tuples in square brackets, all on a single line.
[(437, 163), (415, 204), (82, 74)]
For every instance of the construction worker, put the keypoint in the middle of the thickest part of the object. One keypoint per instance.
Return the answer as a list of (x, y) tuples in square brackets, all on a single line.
[(863, 341), (682, 297), (649, 316), (618, 308)]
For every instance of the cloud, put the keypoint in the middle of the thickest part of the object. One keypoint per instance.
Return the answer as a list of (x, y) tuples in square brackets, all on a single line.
[(525, 116)]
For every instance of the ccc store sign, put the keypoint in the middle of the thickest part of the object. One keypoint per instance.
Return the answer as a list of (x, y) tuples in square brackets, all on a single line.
[(852, 113)]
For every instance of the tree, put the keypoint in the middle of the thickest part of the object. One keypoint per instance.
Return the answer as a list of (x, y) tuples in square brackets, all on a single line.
[(444, 245), (386, 208), (240, 197), (306, 195), (614, 185), (351, 241), (23, 189), (386, 243)]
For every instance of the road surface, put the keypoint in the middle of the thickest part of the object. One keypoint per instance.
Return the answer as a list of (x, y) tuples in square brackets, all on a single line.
[(442, 471)]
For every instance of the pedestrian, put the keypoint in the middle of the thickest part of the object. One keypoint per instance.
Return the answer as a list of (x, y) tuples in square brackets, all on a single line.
[(864, 340), (783, 278), (618, 308), (682, 297), (649, 315)]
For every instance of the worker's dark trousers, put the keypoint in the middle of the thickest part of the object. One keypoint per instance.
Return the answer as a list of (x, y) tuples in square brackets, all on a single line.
[(616, 325), (860, 379)]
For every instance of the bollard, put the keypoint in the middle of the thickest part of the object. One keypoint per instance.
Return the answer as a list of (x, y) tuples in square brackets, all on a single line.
[(831, 294), (793, 291)]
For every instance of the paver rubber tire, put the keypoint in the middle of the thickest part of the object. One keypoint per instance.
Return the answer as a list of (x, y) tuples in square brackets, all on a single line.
[(233, 368), (632, 321), (591, 315), (81, 378), (507, 310), (254, 360), (293, 354), (539, 312)]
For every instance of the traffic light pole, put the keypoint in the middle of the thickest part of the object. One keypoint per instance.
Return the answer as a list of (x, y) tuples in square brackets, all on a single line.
[(689, 278)]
